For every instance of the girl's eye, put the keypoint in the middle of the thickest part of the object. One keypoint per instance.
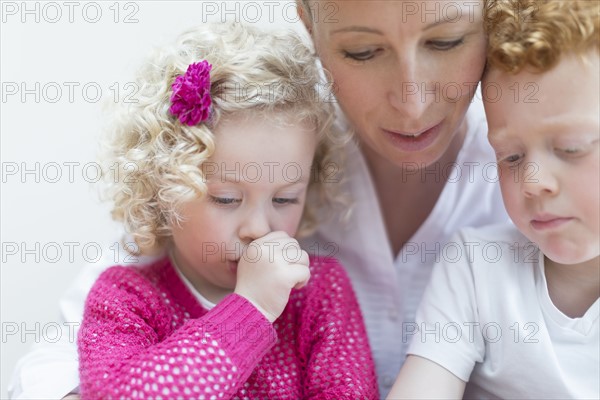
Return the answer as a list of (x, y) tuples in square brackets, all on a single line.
[(283, 200), (444, 45), (224, 200)]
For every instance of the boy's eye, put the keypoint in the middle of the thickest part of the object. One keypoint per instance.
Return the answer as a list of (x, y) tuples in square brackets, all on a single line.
[(511, 159), (283, 200), (575, 149), (444, 45), (569, 150)]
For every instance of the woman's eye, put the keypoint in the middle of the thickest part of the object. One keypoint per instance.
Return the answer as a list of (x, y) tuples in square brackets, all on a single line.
[(224, 200), (360, 56), (444, 45), (283, 200)]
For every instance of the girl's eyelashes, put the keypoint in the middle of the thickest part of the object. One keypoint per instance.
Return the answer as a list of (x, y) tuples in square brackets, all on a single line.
[(445, 45), (224, 201), (283, 200), (229, 201)]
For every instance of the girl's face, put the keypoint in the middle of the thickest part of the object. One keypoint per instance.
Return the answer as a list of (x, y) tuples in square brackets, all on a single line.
[(404, 71), (257, 180)]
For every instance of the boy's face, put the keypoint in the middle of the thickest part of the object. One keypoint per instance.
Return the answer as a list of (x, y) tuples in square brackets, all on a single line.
[(545, 130), (257, 180)]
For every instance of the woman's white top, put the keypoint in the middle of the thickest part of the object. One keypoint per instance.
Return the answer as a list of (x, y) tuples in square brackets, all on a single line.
[(388, 288)]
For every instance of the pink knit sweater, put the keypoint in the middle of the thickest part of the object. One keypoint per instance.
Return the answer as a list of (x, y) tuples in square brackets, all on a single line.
[(144, 335)]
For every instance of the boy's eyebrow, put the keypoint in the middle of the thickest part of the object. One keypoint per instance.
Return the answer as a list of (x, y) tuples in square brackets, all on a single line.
[(583, 124), (575, 124)]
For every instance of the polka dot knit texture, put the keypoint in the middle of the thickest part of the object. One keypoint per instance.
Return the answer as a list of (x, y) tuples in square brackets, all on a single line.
[(145, 336)]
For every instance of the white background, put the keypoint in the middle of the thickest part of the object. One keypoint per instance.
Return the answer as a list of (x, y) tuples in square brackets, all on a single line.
[(66, 47)]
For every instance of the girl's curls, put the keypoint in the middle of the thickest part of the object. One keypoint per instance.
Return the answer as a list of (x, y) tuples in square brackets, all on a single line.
[(159, 156), (536, 33)]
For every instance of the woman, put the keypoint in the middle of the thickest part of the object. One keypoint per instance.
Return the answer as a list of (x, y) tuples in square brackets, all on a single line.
[(404, 75)]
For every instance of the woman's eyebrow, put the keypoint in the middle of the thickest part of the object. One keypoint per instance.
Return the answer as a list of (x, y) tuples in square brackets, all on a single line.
[(365, 29), (356, 28)]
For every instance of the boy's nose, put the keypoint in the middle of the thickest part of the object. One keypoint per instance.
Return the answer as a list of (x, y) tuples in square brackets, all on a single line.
[(538, 181)]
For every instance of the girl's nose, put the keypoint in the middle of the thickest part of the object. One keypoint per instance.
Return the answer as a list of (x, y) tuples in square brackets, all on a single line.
[(254, 226)]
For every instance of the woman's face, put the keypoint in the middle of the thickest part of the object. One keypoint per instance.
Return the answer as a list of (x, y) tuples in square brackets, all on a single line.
[(405, 72)]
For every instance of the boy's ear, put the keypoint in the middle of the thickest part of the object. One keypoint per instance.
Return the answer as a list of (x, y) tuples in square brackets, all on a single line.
[(302, 13)]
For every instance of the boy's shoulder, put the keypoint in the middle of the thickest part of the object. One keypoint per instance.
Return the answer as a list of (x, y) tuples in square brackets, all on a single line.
[(500, 251), (500, 234)]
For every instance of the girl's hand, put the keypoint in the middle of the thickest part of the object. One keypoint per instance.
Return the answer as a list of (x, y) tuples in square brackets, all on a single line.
[(270, 267)]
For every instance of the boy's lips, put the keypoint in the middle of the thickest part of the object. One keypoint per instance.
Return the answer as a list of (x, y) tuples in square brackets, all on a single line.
[(548, 221)]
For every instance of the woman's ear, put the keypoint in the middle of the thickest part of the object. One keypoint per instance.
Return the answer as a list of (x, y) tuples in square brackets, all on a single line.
[(304, 15)]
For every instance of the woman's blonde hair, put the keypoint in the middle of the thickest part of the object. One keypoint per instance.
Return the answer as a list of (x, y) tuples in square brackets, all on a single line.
[(536, 33), (159, 159)]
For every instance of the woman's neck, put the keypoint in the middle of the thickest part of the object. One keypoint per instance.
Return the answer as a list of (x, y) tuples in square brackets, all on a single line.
[(573, 288), (407, 197)]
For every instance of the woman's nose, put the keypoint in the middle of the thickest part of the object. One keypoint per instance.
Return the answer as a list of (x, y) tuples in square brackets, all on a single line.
[(409, 93)]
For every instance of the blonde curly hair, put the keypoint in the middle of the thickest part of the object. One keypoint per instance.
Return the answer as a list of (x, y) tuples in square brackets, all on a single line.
[(536, 33), (159, 159)]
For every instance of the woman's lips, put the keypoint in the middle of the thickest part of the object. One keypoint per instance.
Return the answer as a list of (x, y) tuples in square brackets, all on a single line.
[(548, 222), (413, 141)]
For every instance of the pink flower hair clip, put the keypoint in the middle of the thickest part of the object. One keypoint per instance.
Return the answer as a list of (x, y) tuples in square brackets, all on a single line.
[(191, 101)]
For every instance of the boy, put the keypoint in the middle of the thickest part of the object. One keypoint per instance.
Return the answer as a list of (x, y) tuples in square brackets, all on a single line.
[(513, 312)]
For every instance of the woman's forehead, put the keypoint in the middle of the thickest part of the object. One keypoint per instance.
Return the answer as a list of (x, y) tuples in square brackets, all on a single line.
[(333, 14)]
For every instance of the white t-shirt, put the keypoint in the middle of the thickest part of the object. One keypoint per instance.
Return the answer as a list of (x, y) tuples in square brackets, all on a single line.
[(388, 289), (487, 317)]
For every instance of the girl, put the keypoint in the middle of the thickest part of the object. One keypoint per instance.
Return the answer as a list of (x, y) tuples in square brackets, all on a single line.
[(228, 140)]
